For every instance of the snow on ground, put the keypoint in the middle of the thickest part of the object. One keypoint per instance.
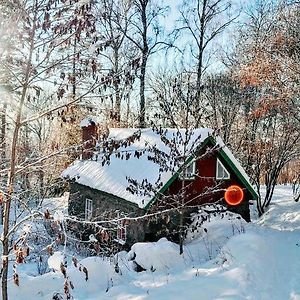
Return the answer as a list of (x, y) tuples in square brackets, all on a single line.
[(222, 263), (58, 204), (283, 213)]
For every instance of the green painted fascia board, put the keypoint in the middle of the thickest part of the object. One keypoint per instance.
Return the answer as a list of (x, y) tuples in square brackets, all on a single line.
[(171, 180), (162, 190), (238, 173), (222, 153)]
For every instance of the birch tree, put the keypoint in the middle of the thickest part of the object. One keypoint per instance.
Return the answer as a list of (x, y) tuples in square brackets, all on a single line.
[(119, 57)]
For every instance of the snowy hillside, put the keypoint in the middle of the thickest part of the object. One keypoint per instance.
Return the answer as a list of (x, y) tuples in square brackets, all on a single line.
[(230, 259)]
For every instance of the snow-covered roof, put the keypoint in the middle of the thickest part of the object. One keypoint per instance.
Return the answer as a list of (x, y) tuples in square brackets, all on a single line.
[(113, 177)]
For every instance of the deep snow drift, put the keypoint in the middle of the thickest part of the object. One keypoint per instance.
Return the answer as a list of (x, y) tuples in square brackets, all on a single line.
[(229, 260)]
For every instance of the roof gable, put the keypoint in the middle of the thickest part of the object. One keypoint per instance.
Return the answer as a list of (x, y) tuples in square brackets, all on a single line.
[(226, 154)]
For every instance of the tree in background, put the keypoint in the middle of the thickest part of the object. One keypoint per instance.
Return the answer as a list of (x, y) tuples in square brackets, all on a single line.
[(144, 31), (224, 100), (119, 58), (204, 21), (31, 64), (174, 97), (267, 75)]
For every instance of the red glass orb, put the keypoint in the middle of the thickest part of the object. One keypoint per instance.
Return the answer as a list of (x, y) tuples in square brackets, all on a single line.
[(234, 195)]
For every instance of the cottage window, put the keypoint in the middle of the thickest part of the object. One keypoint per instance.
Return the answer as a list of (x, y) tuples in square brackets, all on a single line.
[(222, 173), (88, 209), (189, 171)]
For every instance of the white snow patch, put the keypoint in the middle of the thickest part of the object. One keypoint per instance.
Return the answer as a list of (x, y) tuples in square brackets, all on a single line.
[(55, 260), (159, 256), (56, 203), (261, 264), (88, 121), (58, 216)]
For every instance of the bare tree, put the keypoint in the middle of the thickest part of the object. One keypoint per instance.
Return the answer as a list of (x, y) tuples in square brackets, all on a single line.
[(271, 151), (30, 65), (268, 72), (174, 94), (119, 57), (225, 100), (146, 34), (203, 20)]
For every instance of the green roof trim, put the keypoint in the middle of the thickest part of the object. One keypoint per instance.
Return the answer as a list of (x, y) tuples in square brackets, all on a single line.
[(169, 182), (221, 153), (238, 173)]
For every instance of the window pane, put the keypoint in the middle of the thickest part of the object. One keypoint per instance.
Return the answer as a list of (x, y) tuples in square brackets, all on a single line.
[(219, 171), (222, 173), (189, 171), (88, 209)]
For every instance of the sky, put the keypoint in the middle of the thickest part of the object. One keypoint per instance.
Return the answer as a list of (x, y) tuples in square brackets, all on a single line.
[(222, 41)]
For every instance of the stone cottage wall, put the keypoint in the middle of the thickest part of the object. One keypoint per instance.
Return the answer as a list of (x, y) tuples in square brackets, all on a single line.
[(106, 206)]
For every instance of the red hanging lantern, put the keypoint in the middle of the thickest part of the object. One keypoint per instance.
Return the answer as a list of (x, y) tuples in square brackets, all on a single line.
[(234, 195)]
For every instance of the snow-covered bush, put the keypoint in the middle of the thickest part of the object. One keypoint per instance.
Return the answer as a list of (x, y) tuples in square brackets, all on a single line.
[(209, 231), (157, 256), (209, 218)]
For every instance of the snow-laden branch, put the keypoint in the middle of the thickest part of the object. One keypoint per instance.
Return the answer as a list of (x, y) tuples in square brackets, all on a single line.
[(35, 214)]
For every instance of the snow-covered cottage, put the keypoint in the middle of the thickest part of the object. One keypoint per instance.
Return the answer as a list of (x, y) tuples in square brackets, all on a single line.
[(130, 172)]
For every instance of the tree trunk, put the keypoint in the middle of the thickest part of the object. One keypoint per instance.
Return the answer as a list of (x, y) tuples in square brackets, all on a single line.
[(200, 56), (117, 88), (260, 209), (74, 68), (145, 54), (181, 211), (3, 152), (181, 220), (181, 233), (142, 93), (7, 205), (13, 160)]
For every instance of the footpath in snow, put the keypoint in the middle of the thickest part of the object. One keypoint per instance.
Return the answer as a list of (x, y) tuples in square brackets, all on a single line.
[(229, 260)]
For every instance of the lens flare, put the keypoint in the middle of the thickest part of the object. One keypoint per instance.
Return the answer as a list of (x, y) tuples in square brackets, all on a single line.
[(234, 195)]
